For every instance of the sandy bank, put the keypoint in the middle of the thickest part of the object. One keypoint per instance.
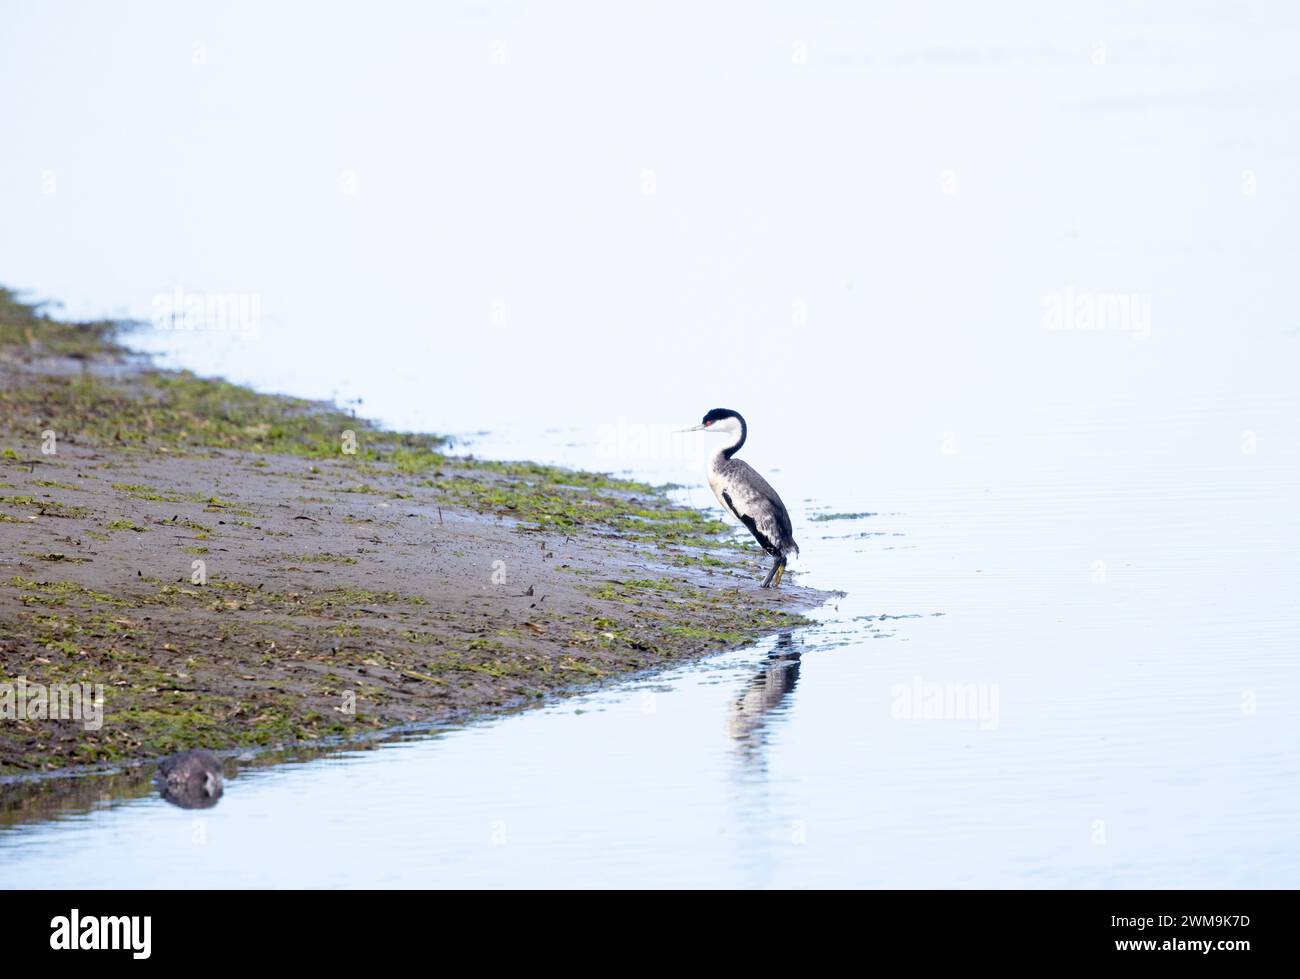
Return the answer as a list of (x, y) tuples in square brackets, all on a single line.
[(234, 575)]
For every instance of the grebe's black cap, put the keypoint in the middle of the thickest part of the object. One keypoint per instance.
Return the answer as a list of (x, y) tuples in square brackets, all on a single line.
[(717, 414)]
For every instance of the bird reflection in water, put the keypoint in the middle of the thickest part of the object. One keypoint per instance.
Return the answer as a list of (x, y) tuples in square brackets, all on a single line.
[(748, 714)]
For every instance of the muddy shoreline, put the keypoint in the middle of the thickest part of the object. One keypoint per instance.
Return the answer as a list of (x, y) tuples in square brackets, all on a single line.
[(245, 571)]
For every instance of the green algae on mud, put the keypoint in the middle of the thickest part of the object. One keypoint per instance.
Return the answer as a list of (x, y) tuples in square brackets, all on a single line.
[(247, 571)]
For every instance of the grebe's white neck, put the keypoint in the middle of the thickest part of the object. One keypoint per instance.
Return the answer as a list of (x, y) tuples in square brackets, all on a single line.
[(736, 427)]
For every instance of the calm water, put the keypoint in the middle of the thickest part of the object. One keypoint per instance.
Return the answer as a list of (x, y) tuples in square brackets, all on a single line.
[(1085, 540)]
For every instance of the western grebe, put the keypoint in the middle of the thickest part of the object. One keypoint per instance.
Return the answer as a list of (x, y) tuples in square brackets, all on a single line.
[(747, 494)]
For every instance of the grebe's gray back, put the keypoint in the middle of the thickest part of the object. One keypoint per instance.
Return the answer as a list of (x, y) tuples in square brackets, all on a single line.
[(745, 493)]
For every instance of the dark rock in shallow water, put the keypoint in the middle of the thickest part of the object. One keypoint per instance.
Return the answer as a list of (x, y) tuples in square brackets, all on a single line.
[(191, 779)]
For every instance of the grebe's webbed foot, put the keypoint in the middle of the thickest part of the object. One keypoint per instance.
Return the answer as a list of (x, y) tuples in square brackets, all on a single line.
[(767, 582), (780, 570)]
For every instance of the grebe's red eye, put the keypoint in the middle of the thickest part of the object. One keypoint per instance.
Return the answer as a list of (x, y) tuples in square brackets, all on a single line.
[(707, 424)]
